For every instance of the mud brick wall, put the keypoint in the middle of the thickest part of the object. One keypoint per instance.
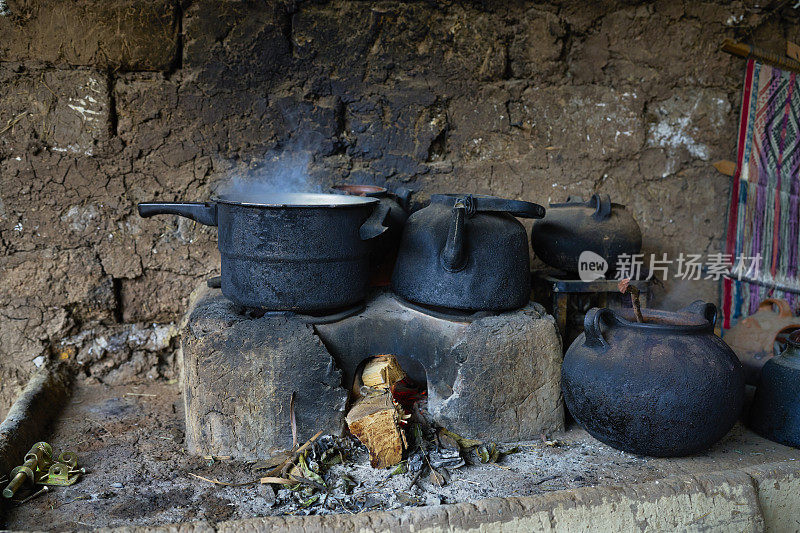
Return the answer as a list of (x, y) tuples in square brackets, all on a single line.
[(108, 103)]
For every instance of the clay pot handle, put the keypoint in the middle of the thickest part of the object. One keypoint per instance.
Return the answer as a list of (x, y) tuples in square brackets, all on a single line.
[(602, 205), (592, 330), (784, 309), (704, 309)]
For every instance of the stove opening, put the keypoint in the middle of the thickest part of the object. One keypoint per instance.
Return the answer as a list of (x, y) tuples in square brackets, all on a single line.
[(383, 400)]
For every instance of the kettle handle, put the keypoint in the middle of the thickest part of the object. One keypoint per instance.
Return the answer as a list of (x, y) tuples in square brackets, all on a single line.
[(591, 327), (518, 208), (784, 309), (491, 204), (704, 309), (602, 205)]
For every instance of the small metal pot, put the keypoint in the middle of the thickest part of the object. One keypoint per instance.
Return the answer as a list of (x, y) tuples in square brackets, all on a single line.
[(597, 225), (466, 252), (292, 252), (775, 413), (664, 387)]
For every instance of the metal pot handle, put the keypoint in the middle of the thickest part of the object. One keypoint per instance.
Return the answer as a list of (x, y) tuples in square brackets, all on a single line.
[(202, 212), (602, 205), (704, 309), (374, 225), (784, 309), (591, 327)]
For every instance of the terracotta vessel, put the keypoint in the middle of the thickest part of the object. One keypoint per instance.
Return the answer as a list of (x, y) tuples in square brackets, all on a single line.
[(757, 338)]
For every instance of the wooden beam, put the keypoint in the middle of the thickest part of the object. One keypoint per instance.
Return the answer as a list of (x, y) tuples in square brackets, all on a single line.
[(765, 56), (792, 51)]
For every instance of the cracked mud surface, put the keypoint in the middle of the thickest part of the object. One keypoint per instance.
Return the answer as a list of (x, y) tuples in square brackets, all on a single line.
[(523, 101)]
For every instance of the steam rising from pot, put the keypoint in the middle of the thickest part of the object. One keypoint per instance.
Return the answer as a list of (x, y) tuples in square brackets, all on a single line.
[(281, 172)]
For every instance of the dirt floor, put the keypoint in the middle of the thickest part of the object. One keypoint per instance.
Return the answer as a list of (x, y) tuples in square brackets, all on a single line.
[(130, 440)]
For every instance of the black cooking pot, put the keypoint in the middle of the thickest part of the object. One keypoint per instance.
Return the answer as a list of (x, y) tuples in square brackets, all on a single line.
[(466, 252), (295, 252), (664, 387)]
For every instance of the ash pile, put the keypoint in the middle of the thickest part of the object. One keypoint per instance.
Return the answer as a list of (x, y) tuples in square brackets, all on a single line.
[(394, 455)]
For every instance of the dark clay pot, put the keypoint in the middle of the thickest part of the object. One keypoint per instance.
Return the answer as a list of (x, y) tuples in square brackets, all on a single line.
[(775, 413), (384, 248), (597, 225), (466, 252), (666, 387)]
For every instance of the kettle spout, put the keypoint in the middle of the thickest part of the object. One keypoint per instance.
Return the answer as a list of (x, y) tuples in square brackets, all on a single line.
[(453, 255)]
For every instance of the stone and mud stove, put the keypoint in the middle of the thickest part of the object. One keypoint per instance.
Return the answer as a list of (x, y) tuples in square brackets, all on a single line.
[(316, 265)]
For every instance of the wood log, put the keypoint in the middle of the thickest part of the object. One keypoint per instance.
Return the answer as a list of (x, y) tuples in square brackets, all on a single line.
[(382, 372), (375, 421)]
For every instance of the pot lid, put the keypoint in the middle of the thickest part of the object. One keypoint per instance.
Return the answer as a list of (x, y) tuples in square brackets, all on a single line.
[(295, 200)]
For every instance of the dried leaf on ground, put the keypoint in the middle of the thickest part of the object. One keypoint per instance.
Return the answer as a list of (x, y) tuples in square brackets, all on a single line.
[(463, 442), (437, 478)]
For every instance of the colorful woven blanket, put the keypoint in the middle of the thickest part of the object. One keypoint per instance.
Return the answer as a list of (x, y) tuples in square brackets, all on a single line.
[(763, 217)]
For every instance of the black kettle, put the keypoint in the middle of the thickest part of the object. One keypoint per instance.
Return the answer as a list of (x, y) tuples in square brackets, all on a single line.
[(775, 413), (597, 225), (466, 252)]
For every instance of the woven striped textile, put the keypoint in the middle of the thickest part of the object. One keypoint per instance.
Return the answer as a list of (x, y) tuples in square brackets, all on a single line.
[(763, 215)]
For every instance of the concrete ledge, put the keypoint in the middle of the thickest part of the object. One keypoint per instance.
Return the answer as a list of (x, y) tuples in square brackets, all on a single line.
[(778, 488), (763, 498)]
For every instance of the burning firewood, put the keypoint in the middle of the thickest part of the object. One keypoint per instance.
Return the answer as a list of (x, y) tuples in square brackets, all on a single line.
[(379, 373), (375, 421), (375, 418)]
